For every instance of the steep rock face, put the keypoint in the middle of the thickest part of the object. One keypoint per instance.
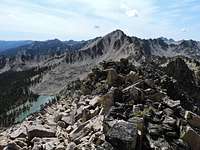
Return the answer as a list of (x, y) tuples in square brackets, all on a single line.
[(190, 48), (112, 46), (180, 71), (170, 48)]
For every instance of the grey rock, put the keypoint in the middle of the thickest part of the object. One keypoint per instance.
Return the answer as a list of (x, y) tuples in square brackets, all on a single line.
[(62, 124), (170, 121), (12, 146), (193, 119), (68, 119), (192, 138), (37, 147), (172, 103), (158, 96), (57, 117), (60, 147), (123, 135), (19, 133), (179, 144), (21, 142), (3, 142), (40, 131), (105, 146), (107, 101), (45, 143), (160, 144), (131, 77), (168, 112), (172, 135), (94, 101), (136, 108), (71, 146), (79, 131), (134, 93), (138, 121), (180, 111), (155, 130), (112, 76), (150, 83)]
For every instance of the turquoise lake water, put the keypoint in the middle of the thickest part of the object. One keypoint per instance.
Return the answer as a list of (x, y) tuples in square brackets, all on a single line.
[(34, 107)]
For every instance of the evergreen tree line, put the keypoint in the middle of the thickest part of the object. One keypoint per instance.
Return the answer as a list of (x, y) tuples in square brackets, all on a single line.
[(14, 91)]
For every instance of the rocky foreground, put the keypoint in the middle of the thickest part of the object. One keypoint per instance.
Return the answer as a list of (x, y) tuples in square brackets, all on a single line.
[(118, 107)]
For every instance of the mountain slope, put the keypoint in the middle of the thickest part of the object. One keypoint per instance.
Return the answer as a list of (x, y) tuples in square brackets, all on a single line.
[(76, 64), (73, 59)]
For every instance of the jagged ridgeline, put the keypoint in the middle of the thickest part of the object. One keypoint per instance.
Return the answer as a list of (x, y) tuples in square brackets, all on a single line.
[(14, 91)]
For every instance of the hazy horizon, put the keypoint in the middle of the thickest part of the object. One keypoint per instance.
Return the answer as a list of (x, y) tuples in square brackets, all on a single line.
[(53, 38)]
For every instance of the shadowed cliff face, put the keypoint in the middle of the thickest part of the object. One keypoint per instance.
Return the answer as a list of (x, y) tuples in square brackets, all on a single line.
[(180, 71), (111, 46)]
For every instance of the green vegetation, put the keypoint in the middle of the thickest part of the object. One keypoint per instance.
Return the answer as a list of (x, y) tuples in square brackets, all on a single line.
[(14, 91)]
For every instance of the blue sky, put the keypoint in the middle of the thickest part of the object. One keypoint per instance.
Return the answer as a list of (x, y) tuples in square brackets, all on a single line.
[(85, 19)]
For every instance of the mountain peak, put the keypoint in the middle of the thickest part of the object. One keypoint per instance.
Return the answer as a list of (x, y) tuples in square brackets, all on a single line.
[(119, 31), (166, 40)]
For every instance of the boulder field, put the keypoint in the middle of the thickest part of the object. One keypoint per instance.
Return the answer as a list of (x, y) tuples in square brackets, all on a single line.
[(118, 106)]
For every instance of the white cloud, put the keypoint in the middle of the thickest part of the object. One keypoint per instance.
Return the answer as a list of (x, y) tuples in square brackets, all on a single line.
[(132, 13), (183, 30)]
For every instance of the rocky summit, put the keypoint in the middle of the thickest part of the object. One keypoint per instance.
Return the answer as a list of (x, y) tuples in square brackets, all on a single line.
[(119, 106)]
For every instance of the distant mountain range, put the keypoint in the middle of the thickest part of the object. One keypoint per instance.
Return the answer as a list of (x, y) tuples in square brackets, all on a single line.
[(72, 59), (5, 45), (11, 48), (160, 46)]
